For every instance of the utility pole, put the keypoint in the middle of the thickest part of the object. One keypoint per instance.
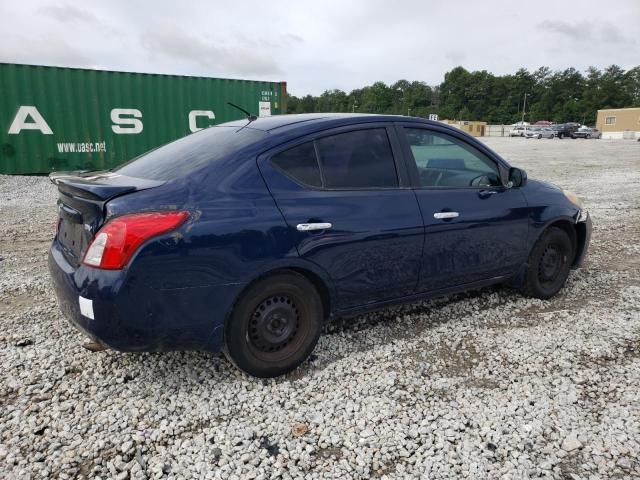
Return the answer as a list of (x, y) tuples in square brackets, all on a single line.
[(524, 107), (408, 112)]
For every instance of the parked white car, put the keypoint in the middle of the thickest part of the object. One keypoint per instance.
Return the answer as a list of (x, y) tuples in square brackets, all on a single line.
[(518, 132)]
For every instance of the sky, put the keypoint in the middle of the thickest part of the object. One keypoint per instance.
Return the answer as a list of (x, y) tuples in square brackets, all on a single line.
[(321, 45)]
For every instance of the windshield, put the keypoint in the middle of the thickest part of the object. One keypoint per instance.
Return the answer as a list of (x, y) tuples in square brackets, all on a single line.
[(184, 156)]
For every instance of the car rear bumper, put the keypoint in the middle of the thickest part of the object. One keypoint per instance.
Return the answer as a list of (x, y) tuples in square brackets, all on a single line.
[(131, 316)]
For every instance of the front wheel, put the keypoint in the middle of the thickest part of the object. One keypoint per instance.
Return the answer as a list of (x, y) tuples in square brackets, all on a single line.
[(274, 326), (549, 264)]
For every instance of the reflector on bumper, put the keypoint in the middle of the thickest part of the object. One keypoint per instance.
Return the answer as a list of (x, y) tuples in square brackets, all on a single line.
[(86, 307)]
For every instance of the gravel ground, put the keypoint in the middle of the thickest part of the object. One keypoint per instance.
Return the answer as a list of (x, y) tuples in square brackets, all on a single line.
[(481, 385)]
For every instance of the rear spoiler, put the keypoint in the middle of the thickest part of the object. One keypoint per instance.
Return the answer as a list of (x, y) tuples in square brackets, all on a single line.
[(100, 186)]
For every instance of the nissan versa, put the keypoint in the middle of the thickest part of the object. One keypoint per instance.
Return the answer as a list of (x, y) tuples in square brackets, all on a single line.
[(246, 236)]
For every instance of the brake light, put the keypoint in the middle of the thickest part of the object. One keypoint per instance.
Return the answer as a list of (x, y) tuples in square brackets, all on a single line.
[(116, 242)]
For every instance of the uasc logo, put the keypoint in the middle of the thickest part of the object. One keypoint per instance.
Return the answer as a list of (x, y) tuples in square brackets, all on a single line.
[(125, 121)]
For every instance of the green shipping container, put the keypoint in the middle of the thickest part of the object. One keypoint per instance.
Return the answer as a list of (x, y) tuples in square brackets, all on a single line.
[(68, 119)]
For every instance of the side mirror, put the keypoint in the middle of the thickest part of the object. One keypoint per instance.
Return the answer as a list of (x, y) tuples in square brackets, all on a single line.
[(517, 177)]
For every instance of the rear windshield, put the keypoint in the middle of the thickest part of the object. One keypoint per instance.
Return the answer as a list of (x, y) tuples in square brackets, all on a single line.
[(186, 155)]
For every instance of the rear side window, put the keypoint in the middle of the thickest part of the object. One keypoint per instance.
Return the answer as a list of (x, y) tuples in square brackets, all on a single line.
[(184, 156), (358, 159), (300, 163)]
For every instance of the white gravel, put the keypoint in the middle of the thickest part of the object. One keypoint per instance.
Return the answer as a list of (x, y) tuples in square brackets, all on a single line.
[(482, 385)]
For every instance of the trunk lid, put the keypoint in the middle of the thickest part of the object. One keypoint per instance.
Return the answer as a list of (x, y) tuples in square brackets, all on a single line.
[(81, 201)]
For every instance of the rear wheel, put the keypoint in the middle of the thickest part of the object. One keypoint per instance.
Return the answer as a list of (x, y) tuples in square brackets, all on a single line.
[(549, 264), (275, 326)]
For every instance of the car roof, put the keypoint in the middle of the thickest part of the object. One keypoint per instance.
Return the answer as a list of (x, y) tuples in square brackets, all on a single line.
[(284, 122)]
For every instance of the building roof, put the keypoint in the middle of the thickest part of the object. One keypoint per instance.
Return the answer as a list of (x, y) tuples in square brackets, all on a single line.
[(617, 109)]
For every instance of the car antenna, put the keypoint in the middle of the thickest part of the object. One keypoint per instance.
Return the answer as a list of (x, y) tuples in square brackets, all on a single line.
[(250, 117)]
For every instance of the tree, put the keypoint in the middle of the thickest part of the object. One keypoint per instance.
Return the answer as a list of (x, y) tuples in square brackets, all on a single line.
[(561, 96)]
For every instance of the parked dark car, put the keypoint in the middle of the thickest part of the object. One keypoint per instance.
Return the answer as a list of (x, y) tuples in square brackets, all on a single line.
[(246, 236), (565, 129)]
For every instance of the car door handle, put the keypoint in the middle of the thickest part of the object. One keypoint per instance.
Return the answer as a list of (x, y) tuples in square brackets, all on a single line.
[(445, 215), (308, 227)]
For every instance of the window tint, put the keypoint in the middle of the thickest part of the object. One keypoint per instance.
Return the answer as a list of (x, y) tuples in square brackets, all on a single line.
[(358, 159), (444, 161), (182, 157), (300, 163)]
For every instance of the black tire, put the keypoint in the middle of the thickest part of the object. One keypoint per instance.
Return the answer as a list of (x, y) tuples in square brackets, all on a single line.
[(560, 135), (274, 326), (549, 264)]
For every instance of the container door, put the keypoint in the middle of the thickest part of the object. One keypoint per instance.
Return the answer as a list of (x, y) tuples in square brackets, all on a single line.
[(351, 214)]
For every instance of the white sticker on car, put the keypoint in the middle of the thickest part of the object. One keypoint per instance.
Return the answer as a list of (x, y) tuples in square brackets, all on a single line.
[(86, 307)]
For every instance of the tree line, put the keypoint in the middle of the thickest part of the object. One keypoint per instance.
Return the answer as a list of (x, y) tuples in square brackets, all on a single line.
[(559, 96)]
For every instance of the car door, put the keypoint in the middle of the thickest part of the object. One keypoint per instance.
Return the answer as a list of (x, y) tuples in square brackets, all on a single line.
[(475, 227), (351, 210)]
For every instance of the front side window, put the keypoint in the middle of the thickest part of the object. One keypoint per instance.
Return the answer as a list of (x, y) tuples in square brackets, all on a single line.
[(444, 161), (358, 159)]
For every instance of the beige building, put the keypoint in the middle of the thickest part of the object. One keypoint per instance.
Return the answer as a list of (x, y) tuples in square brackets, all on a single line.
[(473, 128), (619, 122)]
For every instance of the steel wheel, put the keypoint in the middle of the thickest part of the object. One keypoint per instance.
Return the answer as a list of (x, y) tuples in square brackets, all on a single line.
[(549, 264), (274, 326)]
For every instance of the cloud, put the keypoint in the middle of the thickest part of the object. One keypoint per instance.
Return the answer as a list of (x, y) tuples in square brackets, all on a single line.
[(216, 56), (68, 14), (609, 33), (316, 46), (50, 50), (456, 57), (582, 31), (604, 32), (292, 38)]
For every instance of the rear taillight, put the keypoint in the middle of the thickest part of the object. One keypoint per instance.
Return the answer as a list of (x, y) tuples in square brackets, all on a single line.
[(115, 243)]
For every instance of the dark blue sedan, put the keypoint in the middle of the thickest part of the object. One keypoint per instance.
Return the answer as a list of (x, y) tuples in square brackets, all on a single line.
[(246, 236)]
